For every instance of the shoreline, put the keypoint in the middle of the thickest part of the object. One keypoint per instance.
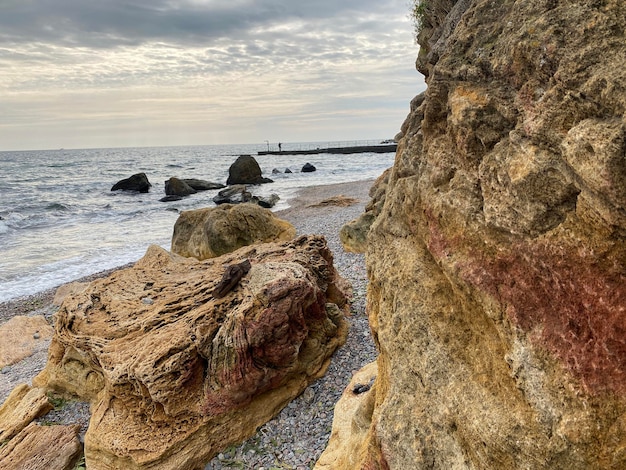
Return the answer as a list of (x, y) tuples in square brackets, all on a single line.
[(41, 302), (297, 436)]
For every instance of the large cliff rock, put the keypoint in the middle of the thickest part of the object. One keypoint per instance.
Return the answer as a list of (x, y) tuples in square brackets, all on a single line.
[(498, 263), (174, 372)]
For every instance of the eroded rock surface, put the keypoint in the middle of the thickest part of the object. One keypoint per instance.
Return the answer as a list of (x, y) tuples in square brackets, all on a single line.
[(353, 235), (175, 375), (21, 407), (39, 447), (214, 231), (498, 262)]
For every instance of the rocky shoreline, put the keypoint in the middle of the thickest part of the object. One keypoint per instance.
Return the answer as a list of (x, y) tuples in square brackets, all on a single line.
[(298, 435)]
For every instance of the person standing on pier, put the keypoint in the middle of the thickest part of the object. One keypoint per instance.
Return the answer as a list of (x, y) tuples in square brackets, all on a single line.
[(280, 147)]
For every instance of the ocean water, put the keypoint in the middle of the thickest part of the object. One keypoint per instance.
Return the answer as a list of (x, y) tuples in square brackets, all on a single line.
[(60, 220)]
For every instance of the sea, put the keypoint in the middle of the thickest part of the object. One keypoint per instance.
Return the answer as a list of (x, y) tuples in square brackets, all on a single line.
[(60, 221)]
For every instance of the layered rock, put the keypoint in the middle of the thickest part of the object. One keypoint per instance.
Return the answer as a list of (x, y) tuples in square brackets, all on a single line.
[(42, 448), (175, 374), (498, 263), (21, 407), (207, 233)]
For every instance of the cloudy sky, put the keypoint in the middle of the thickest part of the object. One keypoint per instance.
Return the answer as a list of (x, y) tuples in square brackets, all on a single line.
[(116, 73)]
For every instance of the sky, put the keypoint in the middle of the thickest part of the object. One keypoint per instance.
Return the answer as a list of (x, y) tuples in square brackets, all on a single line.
[(124, 73)]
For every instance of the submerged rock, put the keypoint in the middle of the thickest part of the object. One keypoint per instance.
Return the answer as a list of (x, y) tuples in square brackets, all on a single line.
[(308, 168), (137, 182), (202, 185), (172, 198), (174, 381)]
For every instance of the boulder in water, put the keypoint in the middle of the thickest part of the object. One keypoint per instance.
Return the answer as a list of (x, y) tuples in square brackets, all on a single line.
[(235, 194), (202, 185), (171, 198), (308, 168), (246, 170), (266, 201), (177, 187), (137, 182)]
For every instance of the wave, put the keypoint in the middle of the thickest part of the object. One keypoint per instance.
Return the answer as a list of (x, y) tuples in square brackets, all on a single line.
[(57, 206)]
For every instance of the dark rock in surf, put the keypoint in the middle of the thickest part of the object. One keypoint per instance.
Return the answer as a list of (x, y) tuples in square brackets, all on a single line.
[(287, 170), (308, 168), (235, 194), (267, 202), (177, 187), (276, 171), (246, 170), (171, 198), (202, 185), (138, 182)]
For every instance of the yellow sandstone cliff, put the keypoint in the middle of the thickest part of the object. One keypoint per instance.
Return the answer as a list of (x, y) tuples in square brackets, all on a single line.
[(497, 264)]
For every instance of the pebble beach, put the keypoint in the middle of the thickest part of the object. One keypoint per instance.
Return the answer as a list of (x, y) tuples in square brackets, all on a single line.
[(297, 436)]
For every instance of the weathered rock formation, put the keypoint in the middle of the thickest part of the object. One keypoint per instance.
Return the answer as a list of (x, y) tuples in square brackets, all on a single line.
[(352, 421), (207, 233), (308, 168), (498, 263), (246, 170), (353, 235), (21, 407), (138, 182), (175, 375), (42, 448)]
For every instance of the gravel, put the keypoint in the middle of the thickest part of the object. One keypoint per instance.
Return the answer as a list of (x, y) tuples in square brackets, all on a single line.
[(297, 436)]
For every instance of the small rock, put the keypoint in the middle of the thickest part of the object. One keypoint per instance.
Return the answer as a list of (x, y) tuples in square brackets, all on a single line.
[(170, 198), (308, 395), (37, 335)]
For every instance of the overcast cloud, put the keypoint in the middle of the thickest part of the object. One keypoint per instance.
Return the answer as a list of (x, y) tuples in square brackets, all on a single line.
[(94, 73)]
